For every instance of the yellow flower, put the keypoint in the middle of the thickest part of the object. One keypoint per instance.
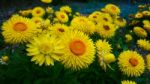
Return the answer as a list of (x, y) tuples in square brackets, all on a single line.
[(145, 44), (49, 10), (83, 24), (148, 61), (37, 21), (104, 53), (5, 58), (112, 9), (120, 22), (62, 16), (146, 13), (131, 63), (38, 12), (25, 12), (79, 50), (128, 37), (45, 49), (146, 25), (66, 9), (138, 15), (128, 82), (95, 16), (18, 29), (105, 17), (109, 58), (106, 30), (140, 32), (46, 1), (58, 29)]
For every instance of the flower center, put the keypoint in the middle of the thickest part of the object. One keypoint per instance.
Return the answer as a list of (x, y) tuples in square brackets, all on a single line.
[(133, 61), (105, 19), (120, 19), (61, 30), (94, 17), (106, 27), (62, 16), (77, 47), (44, 48), (113, 8), (20, 26), (38, 11)]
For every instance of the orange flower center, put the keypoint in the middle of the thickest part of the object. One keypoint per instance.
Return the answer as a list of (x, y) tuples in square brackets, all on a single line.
[(62, 16), (113, 8), (20, 26), (106, 27), (38, 11), (77, 47), (133, 61)]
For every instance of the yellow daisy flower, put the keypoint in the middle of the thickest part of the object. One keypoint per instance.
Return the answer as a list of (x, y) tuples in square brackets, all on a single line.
[(105, 17), (146, 13), (45, 49), (138, 15), (83, 24), (104, 53), (79, 50), (146, 25), (148, 61), (131, 63), (120, 22), (140, 32), (5, 58), (37, 21), (95, 16), (62, 16), (58, 29), (46, 1), (128, 82), (145, 44), (25, 12), (106, 30), (128, 37), (66, 9), (38, 12), (112, 9), (18, 29)]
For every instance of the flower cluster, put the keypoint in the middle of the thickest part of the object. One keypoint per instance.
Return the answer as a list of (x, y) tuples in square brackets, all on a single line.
[(76, 40)]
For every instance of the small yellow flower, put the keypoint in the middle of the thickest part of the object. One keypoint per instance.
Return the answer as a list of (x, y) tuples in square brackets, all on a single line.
[(62, 16), (128, 82), (146, 13), (112, 9), (46, 1), (148, 61), (145, 44), (5, 58), (120, 22), (128, 37), (140, 32), (138, 15), (25, 12), (66, 9), (38, 12), (146, 25), (109, 58)]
